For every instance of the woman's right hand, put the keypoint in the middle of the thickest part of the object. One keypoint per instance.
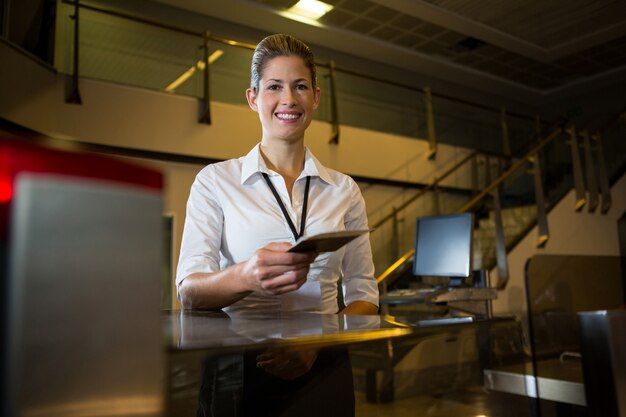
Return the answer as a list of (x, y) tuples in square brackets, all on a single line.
[(273, 270)]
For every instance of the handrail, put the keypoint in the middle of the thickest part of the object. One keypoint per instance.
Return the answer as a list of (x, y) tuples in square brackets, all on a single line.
[(424, 190), (161, 25), (389, 271), (511, 170), (252, 47)]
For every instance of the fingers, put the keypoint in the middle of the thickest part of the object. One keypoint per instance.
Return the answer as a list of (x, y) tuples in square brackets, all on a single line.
[(276, 254), (287, 282), (286, 364), (274, 271)]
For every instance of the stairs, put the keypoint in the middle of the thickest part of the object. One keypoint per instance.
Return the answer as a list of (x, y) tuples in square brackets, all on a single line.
[(515, 220)]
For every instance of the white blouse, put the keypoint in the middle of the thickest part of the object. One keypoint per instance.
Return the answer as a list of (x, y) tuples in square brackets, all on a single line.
[(231, 213)]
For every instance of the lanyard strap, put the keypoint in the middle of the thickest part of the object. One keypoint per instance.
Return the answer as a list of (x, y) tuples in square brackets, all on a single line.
[(305, 201)]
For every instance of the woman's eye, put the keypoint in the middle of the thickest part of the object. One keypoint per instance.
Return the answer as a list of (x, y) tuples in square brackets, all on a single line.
[(273, 87), (302, 87)]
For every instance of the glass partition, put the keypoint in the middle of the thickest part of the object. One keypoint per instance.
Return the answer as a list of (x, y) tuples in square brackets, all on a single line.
[(230, 73), (30, 25), (376, 105), (124, 51), (151, 55), (558, 287)]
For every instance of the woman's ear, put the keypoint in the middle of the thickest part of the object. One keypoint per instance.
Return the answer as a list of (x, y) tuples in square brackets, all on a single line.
[(251, 96), (317, 94)]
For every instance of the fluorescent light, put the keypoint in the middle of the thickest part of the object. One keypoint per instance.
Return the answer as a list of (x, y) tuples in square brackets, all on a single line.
[(187, 74), (311, 9), (178, 81), (212, 58), (298, 18)]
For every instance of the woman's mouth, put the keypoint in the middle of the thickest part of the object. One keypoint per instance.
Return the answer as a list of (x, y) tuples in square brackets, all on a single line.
[(288, 117)]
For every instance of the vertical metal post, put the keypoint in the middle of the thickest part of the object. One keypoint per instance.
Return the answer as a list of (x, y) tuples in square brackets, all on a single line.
[(502, 262), (334, 113), (205, 114), (506, 143), (74, 96), (605, 189), (542, 218), (592, 180), (430, 124), (577, 168), (395, 236), (436, 202), (474, 169), (4, 24)]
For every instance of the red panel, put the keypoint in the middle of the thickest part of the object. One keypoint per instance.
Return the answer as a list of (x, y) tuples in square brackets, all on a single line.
[(18, 156)]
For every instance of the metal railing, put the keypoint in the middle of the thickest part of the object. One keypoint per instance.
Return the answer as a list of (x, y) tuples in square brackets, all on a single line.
[(594, 176), (493, 186)]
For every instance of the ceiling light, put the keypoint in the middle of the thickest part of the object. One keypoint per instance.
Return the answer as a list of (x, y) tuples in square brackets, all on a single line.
[(311, 9), (187, 74)]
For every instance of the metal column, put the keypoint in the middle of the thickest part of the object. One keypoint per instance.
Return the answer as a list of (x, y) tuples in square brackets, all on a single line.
[(205, 114), (592, 180), (506, 143), (74, 95), (605, 189), (430, 123), (577, 168), (542, 218), (334, 114)]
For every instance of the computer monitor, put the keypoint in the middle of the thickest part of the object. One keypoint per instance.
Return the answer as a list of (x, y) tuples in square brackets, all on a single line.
[(443, 246)]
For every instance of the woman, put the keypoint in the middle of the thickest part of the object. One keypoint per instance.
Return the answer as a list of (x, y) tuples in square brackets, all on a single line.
[(244, 214), (242, 217)]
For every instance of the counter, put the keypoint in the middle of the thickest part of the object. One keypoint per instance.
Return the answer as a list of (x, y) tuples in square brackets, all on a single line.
[(363, 362)]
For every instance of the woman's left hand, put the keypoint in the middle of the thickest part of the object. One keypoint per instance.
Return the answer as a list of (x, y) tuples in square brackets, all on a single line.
[(286, 363)]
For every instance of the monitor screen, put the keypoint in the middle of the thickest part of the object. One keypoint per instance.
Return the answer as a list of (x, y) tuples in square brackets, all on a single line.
[(443, 246)]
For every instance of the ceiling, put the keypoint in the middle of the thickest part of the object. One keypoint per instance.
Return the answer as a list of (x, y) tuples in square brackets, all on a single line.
[(537, 46)]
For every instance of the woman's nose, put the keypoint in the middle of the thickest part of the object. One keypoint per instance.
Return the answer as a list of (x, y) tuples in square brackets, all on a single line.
[(289, 97)]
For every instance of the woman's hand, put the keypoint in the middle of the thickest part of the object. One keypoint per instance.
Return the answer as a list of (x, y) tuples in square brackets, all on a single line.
[(286, 363), (273, 270)]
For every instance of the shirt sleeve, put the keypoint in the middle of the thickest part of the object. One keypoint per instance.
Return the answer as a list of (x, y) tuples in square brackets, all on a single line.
[(359, 283), (202, 234)]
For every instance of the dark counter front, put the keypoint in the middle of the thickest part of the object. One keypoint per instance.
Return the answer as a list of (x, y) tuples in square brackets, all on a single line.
[(364, 365)]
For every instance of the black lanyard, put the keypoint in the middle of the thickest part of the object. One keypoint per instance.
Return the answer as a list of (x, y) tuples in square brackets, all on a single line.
[(296, 235)]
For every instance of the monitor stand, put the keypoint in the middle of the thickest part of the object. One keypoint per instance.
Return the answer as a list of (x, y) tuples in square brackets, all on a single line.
[(456, 282)]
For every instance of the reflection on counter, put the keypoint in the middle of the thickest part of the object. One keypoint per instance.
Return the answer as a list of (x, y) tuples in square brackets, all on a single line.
[(218, 330)]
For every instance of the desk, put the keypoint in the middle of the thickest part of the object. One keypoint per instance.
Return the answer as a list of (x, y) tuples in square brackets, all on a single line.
[(383, 354)]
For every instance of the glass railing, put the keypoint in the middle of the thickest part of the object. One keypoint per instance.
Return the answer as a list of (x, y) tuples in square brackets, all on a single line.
[(131, 50)]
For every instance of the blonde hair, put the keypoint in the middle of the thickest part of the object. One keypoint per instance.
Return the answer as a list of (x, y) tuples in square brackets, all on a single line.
[(280, 45)]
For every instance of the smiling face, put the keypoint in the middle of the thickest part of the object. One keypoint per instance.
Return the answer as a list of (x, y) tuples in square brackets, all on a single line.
[(285, 99)]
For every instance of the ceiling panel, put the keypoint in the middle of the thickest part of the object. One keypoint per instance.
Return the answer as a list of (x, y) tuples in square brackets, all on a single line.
[(431, 28), (544, 23)]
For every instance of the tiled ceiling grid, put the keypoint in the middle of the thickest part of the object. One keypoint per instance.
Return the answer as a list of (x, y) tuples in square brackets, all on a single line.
[(388, 25)]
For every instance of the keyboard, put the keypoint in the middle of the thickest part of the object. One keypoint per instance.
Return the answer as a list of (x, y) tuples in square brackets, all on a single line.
[(408, 295)]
